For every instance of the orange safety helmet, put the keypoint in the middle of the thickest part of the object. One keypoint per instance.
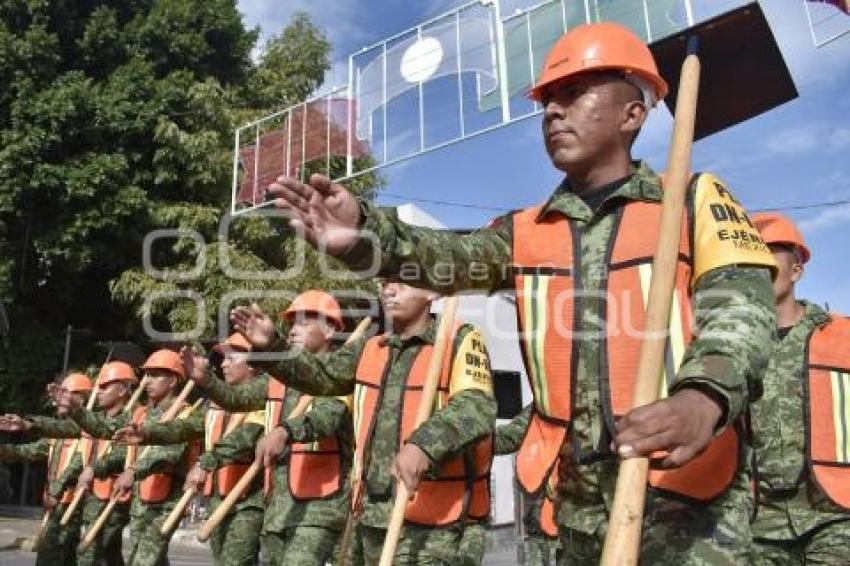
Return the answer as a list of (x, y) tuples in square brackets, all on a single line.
[(605, 46), (169, 360), (317, 302), (77, 383), (113, 372), (778, 229), (235, 341)]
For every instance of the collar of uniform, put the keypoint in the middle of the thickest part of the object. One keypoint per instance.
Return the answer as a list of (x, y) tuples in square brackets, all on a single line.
[(814, 313), (645, 184), (427, 336)]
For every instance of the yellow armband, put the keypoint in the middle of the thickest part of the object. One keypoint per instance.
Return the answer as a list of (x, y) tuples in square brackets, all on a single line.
[(723, 232)]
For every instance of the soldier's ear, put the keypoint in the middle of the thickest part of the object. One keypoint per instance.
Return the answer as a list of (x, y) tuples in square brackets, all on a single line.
[(797, 271)]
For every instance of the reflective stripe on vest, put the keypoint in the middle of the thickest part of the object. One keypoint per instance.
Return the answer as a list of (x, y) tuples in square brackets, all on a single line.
[(155, 488), (827, 395), (462, 488), (549, 290), (314, 468), (217, 424)]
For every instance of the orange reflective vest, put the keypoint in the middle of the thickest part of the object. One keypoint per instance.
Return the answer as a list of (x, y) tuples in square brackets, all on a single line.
[(155, 488), (66, 447), (462, 487), (220, 423), (315, 469), (827, 404), (94, 449), (549, 291)]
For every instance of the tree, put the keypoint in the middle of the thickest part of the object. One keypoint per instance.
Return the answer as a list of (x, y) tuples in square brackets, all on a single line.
[(116, 118)]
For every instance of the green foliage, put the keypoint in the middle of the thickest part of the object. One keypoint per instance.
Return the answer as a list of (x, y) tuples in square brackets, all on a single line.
[(116, 119)]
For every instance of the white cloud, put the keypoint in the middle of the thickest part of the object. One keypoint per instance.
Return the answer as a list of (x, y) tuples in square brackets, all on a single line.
[(825, 219), (794, 141)]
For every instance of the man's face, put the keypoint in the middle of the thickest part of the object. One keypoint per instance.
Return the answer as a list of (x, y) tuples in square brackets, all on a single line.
[(788, 272), (110, 394), (403, 303), (160, 384), (235, 367), (62, 411), (310, 331), (587, 118)]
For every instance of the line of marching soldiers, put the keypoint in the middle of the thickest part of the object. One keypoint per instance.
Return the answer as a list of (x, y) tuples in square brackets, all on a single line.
[(755, 388), (328, 458)]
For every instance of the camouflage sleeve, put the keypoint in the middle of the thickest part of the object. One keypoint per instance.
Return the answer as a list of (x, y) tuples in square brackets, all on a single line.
[(434, 259), (735, 323), (468, 416), (177, 431), (509, 436), (235, 447), (68, 477), (159, 459), (323, 419), (241, 398), (322, 375), (112, 462), (48, 427), (96, 424), (30, 452)]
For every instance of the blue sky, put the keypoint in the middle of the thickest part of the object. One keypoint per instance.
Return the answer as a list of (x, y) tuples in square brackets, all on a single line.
[(794, 155)]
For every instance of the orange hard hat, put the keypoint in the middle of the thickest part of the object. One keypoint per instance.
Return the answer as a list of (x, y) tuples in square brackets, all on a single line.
[(113, 372), (235, 341), (77, 383), (317, 302), (605, 46), (778, 229), (169, 360)]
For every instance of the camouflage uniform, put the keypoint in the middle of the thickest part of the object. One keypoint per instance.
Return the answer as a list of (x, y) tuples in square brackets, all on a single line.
[(106, 549), (147, 546), (539, 548), (735, 317), (297, 532), (469, 416), (58, 544), (237, 539), (796, 523)]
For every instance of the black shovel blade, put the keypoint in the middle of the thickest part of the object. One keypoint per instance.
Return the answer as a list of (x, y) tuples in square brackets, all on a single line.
[(743, 71)]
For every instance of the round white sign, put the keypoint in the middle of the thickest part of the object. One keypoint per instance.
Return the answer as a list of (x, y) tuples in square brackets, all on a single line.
[(421, 60)]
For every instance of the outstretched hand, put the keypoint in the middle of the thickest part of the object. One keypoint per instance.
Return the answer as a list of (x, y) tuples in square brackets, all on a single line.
[(14, 423), (196, 366), (254, 325), (682, 425), (131, 434), (324, 213)]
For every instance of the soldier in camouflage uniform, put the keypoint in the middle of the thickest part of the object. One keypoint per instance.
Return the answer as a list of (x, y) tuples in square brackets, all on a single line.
[(114, 387), (796, 521), (236, 541), (467, 418), (592, 115), (296, 531), (57, 544), (539, 547)]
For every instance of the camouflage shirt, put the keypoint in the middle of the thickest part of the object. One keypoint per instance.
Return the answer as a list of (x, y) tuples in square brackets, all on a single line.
[(236, 447), (326, 417), (733, 305), (171, 459), (790, 503), (469, 415)]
